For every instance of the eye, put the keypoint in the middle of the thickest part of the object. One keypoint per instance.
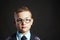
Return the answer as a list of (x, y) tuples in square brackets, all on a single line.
[(28, 19), (19, 20)]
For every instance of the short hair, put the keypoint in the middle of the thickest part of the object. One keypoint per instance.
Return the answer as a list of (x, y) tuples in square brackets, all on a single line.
[(21, 9)]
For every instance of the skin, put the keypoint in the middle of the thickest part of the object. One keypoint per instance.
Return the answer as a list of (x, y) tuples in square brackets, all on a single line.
[(23, 27)]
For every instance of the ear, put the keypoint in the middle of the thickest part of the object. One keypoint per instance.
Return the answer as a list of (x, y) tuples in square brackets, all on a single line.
[(32, 21)]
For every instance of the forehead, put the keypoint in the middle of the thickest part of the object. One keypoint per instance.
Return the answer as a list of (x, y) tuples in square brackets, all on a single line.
[(24, 14)]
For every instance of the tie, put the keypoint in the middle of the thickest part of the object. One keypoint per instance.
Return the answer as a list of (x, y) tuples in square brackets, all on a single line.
[(23, 38)]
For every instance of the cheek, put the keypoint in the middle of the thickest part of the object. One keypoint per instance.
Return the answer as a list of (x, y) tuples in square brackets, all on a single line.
[(18, 24), (29, 25)]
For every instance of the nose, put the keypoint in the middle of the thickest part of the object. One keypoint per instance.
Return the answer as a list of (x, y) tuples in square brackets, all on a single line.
[(23, 23)]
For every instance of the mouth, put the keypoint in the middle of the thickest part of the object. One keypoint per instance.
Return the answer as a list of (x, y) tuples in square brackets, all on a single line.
[(23, 26)]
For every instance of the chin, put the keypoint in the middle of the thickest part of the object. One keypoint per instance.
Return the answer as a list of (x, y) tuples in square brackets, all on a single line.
[(24, 31)]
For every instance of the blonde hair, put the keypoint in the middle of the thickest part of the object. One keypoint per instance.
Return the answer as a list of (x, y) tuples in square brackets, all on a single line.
[(21, 9)]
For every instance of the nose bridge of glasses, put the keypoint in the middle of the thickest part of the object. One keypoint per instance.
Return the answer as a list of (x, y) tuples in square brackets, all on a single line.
[(23, 20)]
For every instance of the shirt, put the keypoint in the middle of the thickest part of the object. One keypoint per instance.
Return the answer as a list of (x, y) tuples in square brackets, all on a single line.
[(19, 35)]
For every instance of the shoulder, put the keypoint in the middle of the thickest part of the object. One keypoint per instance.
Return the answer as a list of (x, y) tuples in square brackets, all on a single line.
[(35, 36), (13, 36), (8, 38)]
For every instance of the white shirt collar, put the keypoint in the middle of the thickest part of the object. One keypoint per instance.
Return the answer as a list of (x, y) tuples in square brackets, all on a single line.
[(19, 35)]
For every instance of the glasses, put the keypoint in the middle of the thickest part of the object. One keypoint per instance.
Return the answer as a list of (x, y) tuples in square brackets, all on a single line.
[(23, 20)]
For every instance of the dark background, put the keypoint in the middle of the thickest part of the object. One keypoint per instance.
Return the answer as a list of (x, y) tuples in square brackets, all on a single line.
[(46, 17)]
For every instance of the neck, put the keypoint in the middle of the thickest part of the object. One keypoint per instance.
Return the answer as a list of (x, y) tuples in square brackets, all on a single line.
[(23, 32)]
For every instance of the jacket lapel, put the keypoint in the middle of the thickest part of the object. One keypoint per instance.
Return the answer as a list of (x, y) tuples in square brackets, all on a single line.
[(32, 37)]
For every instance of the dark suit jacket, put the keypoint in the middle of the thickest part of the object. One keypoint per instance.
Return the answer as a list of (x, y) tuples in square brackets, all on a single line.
[(13, 37)]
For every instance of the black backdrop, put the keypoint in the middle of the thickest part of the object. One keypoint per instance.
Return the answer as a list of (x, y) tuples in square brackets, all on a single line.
[(46, 17)]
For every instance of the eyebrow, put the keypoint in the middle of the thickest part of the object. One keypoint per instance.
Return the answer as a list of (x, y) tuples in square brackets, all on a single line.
[(24, 18)]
